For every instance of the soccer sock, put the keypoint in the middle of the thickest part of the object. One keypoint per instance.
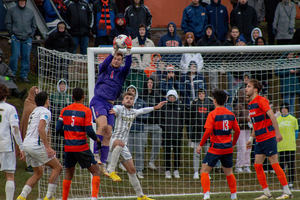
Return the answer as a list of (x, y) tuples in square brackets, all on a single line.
[(96, 151), (95, 186), (261, 176), (10, 190), (281, 177), (25, 191), (50, 191), (114, 158), (104, 153), (136, 184), (205, 182), (231, 183), (66, 189)]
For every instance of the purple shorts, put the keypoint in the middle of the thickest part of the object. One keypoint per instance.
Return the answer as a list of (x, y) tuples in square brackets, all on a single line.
[(99, 107)]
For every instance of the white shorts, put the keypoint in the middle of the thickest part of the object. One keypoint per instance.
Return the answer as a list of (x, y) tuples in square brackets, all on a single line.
[(36, 155), (125, 154), (8, 161)]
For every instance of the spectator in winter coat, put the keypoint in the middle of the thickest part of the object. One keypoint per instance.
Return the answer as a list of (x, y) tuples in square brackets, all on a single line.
[(209, 38), (159, 74), (170, 82), (137, 136), (172, 115), (122, 5), (120, 28), (142, 41), (241, 41), (200, 108), (105, 12), (284, 22), (244, 17), (51, 15), (259, 7), (218, 17), (60, 40), (137, 14), (186, 58), (152, 67), (234, 33), (256, 32), (270, 6), (194, 19), (80, 18)]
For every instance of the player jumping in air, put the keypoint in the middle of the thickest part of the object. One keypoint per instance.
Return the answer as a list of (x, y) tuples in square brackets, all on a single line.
[(125, 115), (74, 122), (266, 133), (218, 126), (111, 77)]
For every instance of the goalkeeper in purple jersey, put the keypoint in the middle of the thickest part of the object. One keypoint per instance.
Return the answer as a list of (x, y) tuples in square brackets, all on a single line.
[(108, 87)]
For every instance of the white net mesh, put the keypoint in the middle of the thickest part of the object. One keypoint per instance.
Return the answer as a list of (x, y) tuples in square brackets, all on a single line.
[(213, 70)]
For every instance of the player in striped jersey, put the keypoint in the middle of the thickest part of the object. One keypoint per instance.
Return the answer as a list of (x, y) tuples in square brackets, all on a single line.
[(118, 143), (218, 126), (9, 126), (75, 121), (37, 149), (266, 133)]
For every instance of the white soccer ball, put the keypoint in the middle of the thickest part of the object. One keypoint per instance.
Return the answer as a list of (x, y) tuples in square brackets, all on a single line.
[(120, 41)]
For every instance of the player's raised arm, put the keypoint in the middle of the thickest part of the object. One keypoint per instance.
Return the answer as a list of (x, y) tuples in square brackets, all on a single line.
[(103, 66), (149, 109), (128, 59)]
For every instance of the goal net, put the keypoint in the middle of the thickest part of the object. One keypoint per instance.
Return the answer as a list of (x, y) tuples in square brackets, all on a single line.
[(168, 138)]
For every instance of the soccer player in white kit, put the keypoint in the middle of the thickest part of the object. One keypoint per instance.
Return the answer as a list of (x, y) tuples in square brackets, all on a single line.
[(37, 149), (9, 125), (118, 142)]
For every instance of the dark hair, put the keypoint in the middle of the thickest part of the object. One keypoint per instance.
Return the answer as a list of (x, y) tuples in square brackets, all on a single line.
[(78, 93), (256, 84), (142, 25), (229, 35), (41, 98), (4, 92), (119, 53), (62, 82), (220, 96), (263, 39), (128, 94), (201, 90)]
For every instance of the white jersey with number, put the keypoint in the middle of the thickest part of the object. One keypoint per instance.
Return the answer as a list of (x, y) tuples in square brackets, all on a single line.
[(8, 116), (32, 135), (124, 119)]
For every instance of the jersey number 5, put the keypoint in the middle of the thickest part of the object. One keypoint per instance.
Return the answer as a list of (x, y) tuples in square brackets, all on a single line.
[(73, 120), (225, 125)]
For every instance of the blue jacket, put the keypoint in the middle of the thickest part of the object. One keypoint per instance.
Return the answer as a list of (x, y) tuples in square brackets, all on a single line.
[(194, 19), (50, 14), (218, 17), (198, 81), (171, 84), (97, 9)]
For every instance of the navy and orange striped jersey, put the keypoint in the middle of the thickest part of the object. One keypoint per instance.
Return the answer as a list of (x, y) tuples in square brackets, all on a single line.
[(262, 123), (77, 121), (218, 126)]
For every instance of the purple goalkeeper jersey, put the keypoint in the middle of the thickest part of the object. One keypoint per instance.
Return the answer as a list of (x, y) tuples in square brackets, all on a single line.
[(110, 80)]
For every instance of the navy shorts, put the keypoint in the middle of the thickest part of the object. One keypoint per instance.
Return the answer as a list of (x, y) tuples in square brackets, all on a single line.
[(99, 107), (212, 159), (84, 158), (267, 147)]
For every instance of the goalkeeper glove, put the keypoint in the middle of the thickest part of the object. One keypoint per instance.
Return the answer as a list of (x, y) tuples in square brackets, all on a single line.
[(99, 145), (128, 42), (7, 78)]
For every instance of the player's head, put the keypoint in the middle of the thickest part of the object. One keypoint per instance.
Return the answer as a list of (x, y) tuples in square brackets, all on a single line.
[(117, 60), (284, 108), (128, 99), (253, 87), (201, 94), (4, 92), (42, 99), (220, 97), (78, 94)]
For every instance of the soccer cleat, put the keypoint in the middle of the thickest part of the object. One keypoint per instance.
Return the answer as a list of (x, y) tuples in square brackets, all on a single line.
[(238, 170), (168, 174), (103, 169), (152, 166), (247, 170), (115, 177), (46, 198), (176, 174), (264, 197), (144, 198), (196, 175), (140, 175), (285, 196), (21, 198)]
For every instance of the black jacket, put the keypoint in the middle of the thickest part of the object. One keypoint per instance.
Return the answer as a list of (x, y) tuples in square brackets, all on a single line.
[(152, 99), (270, 6), (296, 37), (120, 29), (135, 16), (172, 119), (79, 17), (245, 18)]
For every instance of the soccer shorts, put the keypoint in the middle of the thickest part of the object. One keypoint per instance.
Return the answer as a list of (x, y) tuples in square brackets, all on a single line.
[(125, 154), (8, 161), (84, 158), (99, 107), (36, 155), (267, 147), (212, 159)]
